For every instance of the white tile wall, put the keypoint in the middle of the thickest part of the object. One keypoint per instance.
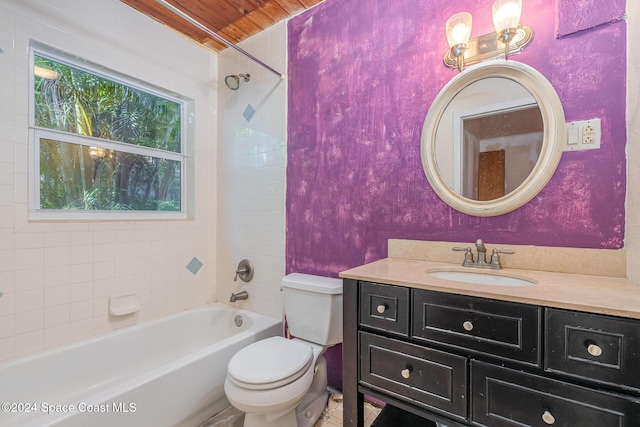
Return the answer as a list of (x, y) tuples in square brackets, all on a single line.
[(251, 172), (57, 277)]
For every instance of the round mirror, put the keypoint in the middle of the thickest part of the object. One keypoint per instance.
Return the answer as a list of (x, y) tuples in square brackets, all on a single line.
[(492, 138)]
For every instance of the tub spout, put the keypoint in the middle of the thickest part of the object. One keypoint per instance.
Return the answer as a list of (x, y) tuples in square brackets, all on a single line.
[(239, 296)]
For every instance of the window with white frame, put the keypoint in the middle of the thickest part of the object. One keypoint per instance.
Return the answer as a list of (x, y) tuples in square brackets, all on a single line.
[(103, 147)]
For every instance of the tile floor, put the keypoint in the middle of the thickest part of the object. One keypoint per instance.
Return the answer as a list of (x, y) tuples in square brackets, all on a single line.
[(331, 417)]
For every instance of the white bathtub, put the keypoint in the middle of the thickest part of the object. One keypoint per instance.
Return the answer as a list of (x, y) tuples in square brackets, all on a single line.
[(168, 372)]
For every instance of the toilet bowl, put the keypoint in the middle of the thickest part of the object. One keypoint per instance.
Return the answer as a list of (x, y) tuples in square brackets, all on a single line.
[(268, 379), (280, 382)]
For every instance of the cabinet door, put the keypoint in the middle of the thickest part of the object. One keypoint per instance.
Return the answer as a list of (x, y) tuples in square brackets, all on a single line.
[(594, 347), (385, 307), (429, 378), (504, 397), (496, 328)]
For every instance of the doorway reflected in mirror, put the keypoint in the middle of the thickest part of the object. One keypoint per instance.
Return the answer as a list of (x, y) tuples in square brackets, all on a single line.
[(499, 151)]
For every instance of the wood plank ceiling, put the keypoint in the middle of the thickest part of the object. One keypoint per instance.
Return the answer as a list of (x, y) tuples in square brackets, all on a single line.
[(235, 20)]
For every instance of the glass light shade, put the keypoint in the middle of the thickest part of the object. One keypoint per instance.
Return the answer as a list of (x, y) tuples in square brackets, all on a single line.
[(506, 14), (459, 29)]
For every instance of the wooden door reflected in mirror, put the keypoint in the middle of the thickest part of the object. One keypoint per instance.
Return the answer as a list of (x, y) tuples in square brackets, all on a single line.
[(491, 174), (507, 140)]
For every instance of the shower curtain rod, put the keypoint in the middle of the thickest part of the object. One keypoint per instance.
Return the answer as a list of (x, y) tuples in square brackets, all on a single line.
[(218, 37)]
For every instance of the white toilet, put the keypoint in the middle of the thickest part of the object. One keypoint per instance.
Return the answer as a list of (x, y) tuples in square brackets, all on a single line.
[(279, 382)]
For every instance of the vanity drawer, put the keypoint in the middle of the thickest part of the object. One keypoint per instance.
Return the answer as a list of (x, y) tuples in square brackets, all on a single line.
[(499, 328), (385, 307), (429, 378), (594, 347), (503, 397)]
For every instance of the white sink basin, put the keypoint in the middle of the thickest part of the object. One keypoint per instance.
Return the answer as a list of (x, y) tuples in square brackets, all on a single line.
[(481, 278)]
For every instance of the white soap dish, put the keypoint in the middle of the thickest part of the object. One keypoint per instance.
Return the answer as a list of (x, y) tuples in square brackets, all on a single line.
[(121, 305)]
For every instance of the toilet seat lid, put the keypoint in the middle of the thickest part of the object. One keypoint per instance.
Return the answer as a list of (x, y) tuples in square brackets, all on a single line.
[(270, 363)]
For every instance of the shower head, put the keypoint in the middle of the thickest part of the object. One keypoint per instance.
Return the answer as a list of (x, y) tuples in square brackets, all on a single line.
[(233, 81)]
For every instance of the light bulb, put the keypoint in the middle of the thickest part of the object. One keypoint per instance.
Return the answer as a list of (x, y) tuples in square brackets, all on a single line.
[(459, 29), (506, 14)]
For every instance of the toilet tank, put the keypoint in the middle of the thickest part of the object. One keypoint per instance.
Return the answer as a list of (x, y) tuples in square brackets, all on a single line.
[(313, 306)]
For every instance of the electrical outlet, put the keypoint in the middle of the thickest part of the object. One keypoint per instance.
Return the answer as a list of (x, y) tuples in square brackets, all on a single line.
[(583, 135), (588, 134)]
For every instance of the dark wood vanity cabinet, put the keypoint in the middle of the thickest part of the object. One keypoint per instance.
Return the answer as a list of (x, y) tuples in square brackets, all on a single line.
[(601, 348), (468, 361), (503, 329), (429, 378), (504, 397), (385, 308)]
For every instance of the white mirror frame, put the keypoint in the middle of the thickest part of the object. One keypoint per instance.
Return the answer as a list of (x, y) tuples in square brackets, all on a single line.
[(553, 142)]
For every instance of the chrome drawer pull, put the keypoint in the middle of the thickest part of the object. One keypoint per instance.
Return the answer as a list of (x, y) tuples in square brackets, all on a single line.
[(594, 350), (406, 373), (381, 308), (468, 325), (548, 418)]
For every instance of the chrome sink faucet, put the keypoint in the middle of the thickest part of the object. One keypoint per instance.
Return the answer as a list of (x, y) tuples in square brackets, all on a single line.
[(494, 263), (482, 253)]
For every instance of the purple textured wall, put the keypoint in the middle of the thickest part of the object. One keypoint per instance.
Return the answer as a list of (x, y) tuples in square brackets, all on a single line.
[(362, 76), (579, 15)]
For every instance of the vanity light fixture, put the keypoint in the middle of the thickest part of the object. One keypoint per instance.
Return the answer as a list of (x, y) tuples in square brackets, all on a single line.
[(510, 37), (506, 18), (458, 34)]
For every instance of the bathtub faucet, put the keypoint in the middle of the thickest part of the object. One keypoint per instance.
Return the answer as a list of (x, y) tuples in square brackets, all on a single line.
[(239, 296)]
